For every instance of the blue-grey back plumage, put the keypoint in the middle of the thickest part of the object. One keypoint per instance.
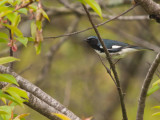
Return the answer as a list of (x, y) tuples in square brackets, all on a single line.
[(116, 49)]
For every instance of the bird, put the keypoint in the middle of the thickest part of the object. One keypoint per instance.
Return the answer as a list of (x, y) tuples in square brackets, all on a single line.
[(116, 49)]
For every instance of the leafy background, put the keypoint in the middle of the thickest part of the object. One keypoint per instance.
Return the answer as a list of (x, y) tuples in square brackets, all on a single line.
[(77, 77)]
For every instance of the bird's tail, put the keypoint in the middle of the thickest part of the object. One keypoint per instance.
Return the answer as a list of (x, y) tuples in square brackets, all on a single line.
[(140, 48)]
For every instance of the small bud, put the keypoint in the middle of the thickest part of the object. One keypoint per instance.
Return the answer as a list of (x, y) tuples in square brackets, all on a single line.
[(14, 48), (9, 44)]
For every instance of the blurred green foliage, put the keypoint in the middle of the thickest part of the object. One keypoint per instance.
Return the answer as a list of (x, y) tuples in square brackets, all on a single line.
[(77, 77)]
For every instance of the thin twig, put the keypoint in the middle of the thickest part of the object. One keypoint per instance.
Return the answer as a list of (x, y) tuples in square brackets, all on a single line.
[(10, 49), (25, 69), (145, 86), (65, 11), (77, 32), (24, 5), (107, 69), (124, 113)]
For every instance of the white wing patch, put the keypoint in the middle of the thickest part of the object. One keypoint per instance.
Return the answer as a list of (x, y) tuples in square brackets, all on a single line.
[(116, 46), (101, 46)]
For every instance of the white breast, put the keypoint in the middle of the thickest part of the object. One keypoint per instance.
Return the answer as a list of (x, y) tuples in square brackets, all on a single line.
[(119, 54), (101, 53), (123, 53)]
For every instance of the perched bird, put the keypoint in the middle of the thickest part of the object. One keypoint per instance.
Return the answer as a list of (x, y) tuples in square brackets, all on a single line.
[(116, 49)]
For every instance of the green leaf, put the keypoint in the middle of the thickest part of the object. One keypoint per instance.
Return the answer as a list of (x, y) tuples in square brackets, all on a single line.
[(156, 83), (2, 112), (8, 78), (15, 30), (3, 2), (5, 60), (38, 48), (33, 7), (44, 14), (154, 88), (155, 114), (23, 40), (8, 97), (17, 20), (18, 98), (61, 116), (4, 13), (3, 100), (82, 1), (23, 11), (12, 16), (3, 8), (94, 5), (18, 91), (15, 2), (3, 40), (39, 24), (33, 29), (31, 39), (8, 110), (21, 116), (157, 107), (3, 35), (10, 1)]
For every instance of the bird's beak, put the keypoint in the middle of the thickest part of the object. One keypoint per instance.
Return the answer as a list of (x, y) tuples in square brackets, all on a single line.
[(85, 40)]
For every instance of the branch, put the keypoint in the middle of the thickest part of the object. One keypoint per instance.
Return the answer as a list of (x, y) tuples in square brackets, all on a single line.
[(124, 113), (29, 87), (95, 25), (65, 11), (151, 7), (10, 48), (147, 81), (24, 5), (38, 105), (108, 70), (128, 72)]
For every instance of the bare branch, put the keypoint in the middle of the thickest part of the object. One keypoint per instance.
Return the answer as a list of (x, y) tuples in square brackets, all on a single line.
[(10, 48), (95, 25), (107, 69), (65, 11), (124, 113), (127, 72), (24, 5), (151, 7), (145, 86)]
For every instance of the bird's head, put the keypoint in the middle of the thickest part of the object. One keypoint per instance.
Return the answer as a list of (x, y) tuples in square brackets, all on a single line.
[(92, 41)]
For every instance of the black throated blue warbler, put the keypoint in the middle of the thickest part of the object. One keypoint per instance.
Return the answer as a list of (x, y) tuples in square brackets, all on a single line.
[(116, 49)]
